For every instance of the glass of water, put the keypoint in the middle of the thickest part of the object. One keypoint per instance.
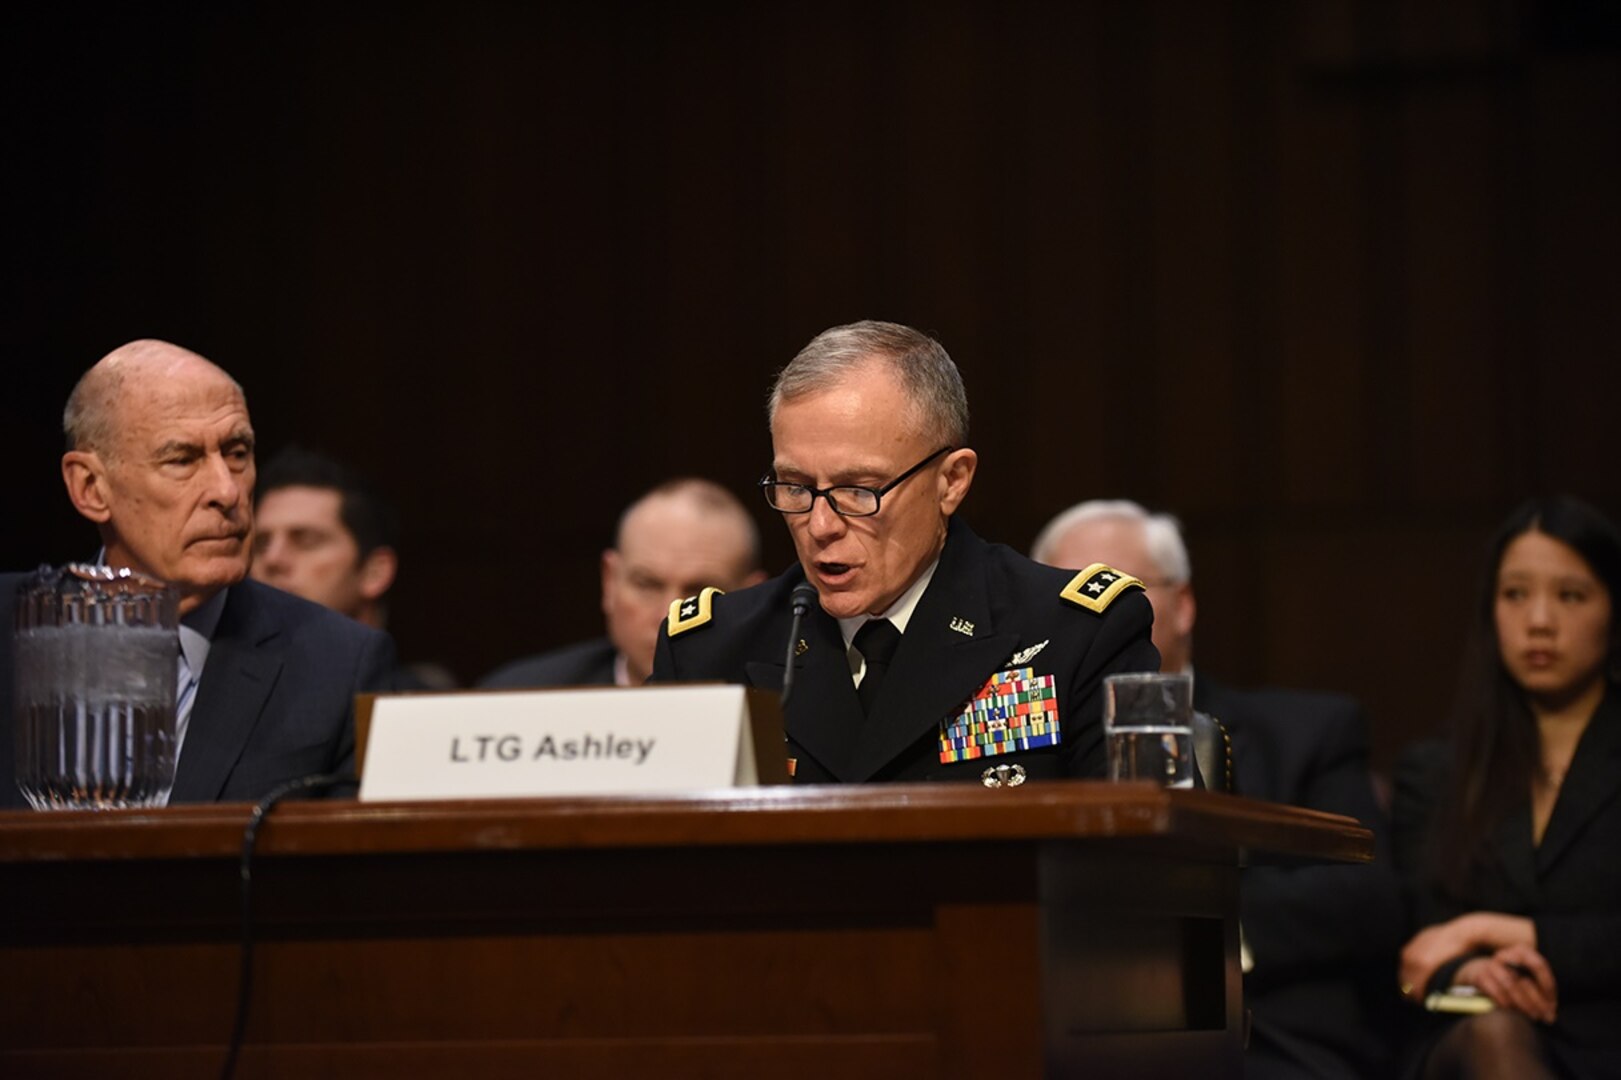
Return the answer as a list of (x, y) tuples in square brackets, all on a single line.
[(1148, 721)]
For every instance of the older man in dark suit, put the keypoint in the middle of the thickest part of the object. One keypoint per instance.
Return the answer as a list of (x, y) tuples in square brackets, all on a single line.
[(1319, 940), (161, 459)]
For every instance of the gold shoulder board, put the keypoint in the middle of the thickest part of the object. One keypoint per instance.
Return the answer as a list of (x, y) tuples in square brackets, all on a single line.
[(1096, 587), (694, 611)]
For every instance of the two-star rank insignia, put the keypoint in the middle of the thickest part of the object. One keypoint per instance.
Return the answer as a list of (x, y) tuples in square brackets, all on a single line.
[(1096, 587), (694, 611)]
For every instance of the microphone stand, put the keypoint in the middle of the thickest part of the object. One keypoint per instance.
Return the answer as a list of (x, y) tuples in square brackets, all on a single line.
[(803, 595)]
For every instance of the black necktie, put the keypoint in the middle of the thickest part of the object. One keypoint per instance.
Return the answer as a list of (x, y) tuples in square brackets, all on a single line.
[(876, 641)]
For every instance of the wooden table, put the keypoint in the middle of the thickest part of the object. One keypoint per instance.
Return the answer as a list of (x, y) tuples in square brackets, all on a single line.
[(1056, 929)]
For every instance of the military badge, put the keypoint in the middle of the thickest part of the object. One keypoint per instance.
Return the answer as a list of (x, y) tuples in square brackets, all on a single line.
[(996, 776), (693, 612), (1015, 710), (1096, 587), (1024, 656)]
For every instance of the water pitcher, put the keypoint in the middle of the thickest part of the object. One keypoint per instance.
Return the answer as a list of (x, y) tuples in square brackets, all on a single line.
[(96, 654)]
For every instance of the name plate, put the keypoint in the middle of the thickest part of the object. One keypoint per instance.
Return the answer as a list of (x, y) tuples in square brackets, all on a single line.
[(595, 741)]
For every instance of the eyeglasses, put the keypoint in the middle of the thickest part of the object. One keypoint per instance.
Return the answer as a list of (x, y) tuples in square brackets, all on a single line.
[(849, 500)]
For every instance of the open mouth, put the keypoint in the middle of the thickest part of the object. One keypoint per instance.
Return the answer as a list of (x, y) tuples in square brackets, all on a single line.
[(833, 572)]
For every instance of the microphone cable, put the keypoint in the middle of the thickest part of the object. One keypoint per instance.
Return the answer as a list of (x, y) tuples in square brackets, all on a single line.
[(250, 838)]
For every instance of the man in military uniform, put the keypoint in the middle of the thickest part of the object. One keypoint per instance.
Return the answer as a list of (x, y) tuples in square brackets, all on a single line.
[(928, 653)]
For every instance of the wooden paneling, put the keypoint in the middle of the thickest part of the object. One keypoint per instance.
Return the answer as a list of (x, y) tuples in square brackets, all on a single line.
[(927, 930), (1310, 275)]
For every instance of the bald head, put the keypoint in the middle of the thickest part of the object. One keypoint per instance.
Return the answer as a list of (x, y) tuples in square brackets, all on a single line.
[(160, 458), (674, 541), (694, 502), (91, 420)]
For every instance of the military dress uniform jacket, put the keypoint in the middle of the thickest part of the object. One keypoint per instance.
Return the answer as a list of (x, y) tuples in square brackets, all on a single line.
[(987, 610)]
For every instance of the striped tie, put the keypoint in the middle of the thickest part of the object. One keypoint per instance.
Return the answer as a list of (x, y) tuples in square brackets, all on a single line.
[(185, 694)]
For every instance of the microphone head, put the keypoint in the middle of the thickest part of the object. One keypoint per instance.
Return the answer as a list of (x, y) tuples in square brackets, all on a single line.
[(803, 596)]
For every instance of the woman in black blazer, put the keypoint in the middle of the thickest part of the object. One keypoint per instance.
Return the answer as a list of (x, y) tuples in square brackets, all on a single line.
[(1508, 836)]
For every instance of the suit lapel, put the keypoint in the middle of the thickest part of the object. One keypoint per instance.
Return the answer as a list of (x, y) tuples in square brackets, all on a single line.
[(1517, 855), (936, 668), (1252, 767), (242, 670), (1589, 784)]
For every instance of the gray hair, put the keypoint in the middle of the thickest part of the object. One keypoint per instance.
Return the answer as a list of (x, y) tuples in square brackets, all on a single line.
[(89, 421), (1162, 535), (922, 365)]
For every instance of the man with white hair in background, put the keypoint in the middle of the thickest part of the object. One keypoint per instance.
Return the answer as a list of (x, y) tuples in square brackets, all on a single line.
[(1319, 940)]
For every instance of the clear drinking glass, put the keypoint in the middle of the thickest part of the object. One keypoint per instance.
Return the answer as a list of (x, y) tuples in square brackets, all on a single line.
[(1148, 722), (96, 654)]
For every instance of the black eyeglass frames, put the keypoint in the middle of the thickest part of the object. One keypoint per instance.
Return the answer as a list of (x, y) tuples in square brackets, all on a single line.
[(850, 500)]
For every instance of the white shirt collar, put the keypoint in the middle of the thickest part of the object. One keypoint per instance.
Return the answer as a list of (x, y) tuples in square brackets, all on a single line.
[(899, 613), (197, 631)]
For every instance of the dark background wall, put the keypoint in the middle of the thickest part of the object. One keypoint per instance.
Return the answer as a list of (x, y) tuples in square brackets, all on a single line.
[(1336, 281)]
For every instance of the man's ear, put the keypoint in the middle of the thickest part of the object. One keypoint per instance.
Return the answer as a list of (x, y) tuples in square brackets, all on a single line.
[(1187, 609), (85, 475), (377, 572), (610, 572), (956, 478)]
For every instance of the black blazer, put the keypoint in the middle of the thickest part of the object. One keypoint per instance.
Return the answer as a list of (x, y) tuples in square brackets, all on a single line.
[(587, 663), (1569, 884), (1324, 937), (276, 701), (985, 605)]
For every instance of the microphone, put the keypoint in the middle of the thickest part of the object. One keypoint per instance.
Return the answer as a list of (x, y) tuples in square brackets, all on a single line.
[(803, 596)]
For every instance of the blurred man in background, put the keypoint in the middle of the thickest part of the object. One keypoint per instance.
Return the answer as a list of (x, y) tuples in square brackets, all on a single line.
[(680, 537), (325, 533), (1319, 941)]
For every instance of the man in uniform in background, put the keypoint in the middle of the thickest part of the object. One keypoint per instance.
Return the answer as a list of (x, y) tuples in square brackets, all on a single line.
[(680, 537), (918, 632), (1318, 940)]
